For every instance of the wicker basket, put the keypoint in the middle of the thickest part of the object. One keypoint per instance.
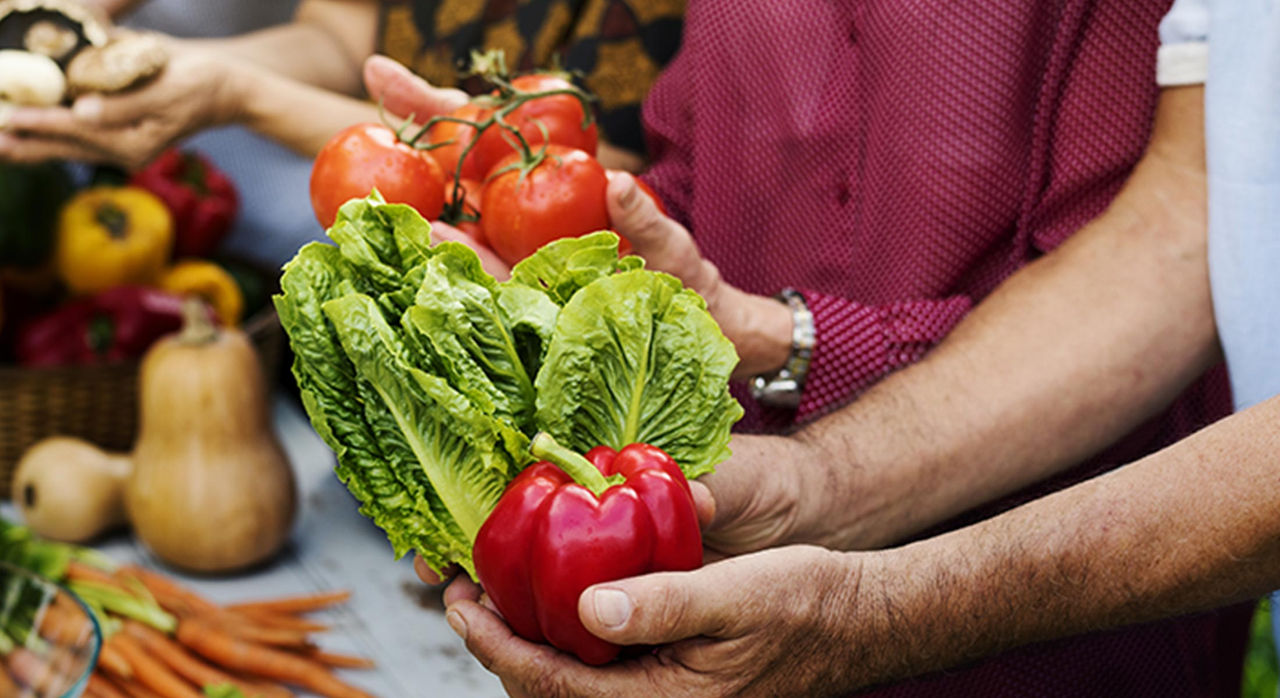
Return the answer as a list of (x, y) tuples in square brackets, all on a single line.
[(98, 403)]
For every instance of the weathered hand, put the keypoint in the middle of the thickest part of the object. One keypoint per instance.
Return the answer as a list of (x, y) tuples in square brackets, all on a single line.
[(771, 623), (194, 91)]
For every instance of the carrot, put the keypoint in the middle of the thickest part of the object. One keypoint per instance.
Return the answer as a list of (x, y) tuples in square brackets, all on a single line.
[(63, 626), (80, 572), (150, 672), (293, 604), (160, 585), (242, 655), (342, 661), (103, 687), (112, 662), (277, 620), (8, 689), (28, 668), (188, 666), (133, 689), (244, 629)]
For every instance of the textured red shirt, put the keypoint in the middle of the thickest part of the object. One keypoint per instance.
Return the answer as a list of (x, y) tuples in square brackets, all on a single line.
[(895, 160)]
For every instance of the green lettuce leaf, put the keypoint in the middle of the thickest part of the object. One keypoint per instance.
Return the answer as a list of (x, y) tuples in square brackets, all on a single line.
[(461, 450), (563, 267), (636, 358), (457, 311), (327, 383)]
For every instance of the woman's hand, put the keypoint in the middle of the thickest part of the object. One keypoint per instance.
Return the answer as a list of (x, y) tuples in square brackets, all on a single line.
[(196, 89)]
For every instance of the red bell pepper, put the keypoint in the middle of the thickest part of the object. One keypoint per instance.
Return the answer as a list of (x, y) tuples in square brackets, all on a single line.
[(119, 323), (201, 198), (569, 522)]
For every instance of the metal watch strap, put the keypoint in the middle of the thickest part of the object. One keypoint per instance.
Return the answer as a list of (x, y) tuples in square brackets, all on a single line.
[(784, 387)]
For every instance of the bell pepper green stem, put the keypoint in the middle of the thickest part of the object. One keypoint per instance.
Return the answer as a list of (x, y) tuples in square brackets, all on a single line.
[(583, 472)]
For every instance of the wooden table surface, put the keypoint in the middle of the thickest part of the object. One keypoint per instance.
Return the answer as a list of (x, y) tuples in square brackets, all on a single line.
[(392, 617)]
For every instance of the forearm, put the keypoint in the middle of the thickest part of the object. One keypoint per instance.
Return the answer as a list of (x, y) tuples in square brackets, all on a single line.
[(325, 45), (114, 8), (1193, 527), (299, 116), (1068, 355)]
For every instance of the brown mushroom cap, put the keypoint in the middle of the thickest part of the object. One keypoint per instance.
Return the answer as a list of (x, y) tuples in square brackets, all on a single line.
[(126, 60)]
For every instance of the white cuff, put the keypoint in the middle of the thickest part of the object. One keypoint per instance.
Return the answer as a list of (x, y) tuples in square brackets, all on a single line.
[(1182, 64)]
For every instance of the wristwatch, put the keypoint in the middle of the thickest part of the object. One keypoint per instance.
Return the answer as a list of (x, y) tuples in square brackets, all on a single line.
[(783, 387)]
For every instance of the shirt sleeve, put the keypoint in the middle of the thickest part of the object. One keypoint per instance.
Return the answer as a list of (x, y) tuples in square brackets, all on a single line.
[(856, 345), (1183, 58)]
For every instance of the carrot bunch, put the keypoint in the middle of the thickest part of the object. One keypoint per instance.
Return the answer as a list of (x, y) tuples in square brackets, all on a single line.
[(257, 648)]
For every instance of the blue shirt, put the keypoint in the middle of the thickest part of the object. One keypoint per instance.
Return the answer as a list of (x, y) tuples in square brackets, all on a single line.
[(1242, 122)]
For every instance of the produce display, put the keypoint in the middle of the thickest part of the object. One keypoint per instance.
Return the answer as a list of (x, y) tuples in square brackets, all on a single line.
[(96, 275), (162, 639), (202, 200), (515, 168), (207, 486)]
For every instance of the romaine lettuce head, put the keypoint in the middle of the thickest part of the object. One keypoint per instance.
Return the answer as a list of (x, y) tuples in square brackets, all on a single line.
[(427, 377)]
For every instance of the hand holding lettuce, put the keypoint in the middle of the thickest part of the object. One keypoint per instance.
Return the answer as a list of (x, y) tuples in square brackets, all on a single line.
[(429, 379)]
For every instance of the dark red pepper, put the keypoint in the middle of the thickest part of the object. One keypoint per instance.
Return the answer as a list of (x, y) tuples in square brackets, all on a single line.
[(201, 198), (117, 324), (569, 522)]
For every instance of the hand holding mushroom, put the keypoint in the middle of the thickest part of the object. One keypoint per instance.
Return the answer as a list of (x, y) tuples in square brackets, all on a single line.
[(52, 51)]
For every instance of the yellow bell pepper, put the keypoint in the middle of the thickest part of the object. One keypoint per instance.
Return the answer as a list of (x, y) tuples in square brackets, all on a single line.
[(108, 236), (196, 277)]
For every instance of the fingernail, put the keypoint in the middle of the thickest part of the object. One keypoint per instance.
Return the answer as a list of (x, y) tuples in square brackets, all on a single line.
[(613, 607), (457, 622), (88, 108)]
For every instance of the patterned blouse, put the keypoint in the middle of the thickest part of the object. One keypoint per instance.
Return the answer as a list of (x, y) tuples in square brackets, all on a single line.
[(617, 46)]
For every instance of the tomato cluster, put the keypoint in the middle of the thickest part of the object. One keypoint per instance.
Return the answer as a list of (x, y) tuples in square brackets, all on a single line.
[(523, 157)]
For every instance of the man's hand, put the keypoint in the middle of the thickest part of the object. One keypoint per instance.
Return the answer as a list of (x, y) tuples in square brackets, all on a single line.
[(193, 92), (765, 624)]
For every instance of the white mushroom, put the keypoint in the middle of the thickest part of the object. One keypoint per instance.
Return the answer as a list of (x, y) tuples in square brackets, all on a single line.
[(29, 79), (49, 39)]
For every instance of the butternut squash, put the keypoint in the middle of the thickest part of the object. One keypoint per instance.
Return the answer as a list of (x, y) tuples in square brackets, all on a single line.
[(70, 490), (211, 489)]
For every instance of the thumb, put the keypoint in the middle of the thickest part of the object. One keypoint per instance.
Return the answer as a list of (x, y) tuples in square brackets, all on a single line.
[(636, 216), (402, 93), (661, 608)]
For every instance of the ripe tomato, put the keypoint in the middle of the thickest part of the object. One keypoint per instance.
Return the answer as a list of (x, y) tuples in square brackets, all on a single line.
[(564, 196), (561, 115), (366, 156), (460, 135)]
